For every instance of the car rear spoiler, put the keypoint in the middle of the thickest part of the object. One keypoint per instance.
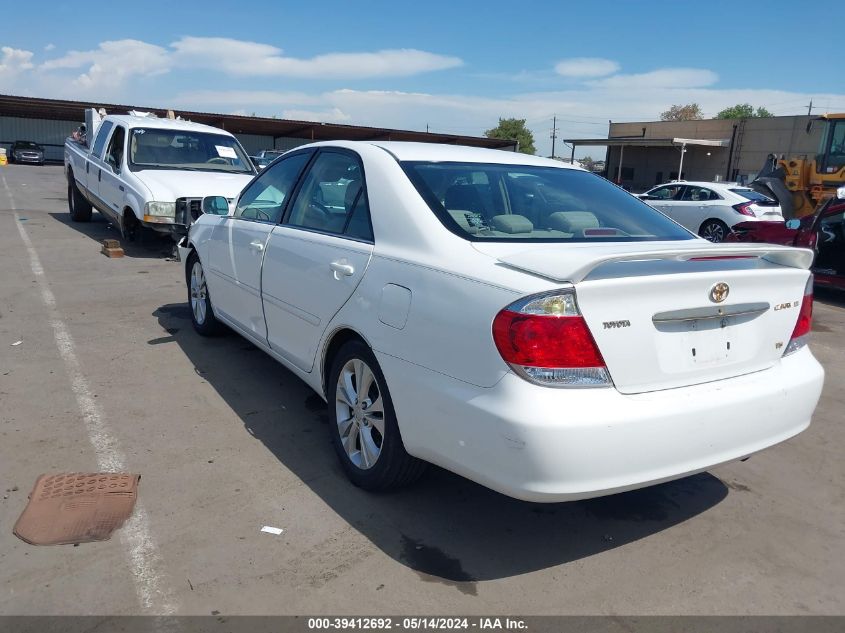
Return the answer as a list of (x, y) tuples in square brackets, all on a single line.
[(573, 263)]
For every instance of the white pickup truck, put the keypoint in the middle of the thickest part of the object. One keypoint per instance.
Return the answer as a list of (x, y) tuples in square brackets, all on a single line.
[(143, 171)]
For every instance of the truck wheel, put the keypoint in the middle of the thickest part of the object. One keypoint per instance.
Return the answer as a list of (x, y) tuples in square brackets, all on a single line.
[(363, 424), (79, 207), (202, 314)]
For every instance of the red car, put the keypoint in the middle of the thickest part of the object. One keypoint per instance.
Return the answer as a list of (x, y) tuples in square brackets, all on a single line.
[(824, 232)]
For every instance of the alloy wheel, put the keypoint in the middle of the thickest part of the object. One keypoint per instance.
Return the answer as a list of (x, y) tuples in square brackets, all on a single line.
[(713, 232), (360, 413), (199, 293)]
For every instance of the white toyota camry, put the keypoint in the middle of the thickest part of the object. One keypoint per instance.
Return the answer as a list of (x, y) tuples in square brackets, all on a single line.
[(518, 321)]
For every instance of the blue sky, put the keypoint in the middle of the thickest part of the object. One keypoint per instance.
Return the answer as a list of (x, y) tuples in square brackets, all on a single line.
[(455, 66)]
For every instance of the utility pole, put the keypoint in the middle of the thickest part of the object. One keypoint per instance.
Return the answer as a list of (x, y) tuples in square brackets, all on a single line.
[(810, 108), (426, 128), (554, 134)]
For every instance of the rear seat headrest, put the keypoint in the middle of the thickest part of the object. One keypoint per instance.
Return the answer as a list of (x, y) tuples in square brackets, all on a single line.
[(512, 223), (573, 221)]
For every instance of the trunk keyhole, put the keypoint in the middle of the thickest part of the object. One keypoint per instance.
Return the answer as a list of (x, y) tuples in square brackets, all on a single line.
[(693, 351)]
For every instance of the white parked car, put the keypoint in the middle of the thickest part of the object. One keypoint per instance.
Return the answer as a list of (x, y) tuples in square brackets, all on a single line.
[(513, 319), (710, 209)]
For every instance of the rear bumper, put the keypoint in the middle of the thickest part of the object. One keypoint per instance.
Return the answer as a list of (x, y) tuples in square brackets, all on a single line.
[(542, 444)]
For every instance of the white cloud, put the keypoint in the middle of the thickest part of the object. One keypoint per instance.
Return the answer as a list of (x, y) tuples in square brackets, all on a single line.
[(14, 59), (334, 115), (14, 62), (109, 65), (49, 47), (240, 58), (661, 78), (582, 112), (249, 99), (586, 67)]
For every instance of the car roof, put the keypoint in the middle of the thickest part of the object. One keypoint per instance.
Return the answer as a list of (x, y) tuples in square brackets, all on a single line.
[(164, 124), (703, 183), (439, 152)]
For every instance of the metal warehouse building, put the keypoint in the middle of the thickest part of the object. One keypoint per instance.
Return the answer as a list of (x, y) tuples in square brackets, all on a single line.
[(49, 121), (641, 155)]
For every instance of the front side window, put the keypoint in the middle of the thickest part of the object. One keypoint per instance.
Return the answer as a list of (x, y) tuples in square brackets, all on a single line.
[(265, 199), (152, 148), (669, 192), (836, 156), (333, 199), (114, 152), (531, 203)]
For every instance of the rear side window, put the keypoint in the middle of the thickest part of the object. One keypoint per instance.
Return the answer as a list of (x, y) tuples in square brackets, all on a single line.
[(100, 141), (700, 194), (333, 198), (750, 194), (493, 202)]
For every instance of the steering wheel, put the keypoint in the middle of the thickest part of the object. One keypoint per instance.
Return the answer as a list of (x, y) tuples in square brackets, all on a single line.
[(218, 160)]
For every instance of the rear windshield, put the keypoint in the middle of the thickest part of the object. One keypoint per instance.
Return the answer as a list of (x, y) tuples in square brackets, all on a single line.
[(750, 194), (494, 202)]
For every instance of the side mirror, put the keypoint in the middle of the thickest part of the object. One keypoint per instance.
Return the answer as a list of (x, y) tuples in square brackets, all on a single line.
[(793, 224), (215, 205), (840, 193)]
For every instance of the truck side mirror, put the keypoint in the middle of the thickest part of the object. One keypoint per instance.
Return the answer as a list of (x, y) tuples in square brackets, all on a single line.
[(793, 224), (215, 205)]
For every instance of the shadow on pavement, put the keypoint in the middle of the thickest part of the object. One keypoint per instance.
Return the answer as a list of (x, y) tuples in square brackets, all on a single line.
[(446, 528), (149, 245), (829, 296)]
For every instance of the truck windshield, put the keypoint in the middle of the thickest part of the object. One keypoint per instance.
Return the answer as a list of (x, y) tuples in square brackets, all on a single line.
[(521, 203), (152, 148)]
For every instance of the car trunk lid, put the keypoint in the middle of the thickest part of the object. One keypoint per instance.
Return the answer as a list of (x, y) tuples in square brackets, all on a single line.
[(666, 317)]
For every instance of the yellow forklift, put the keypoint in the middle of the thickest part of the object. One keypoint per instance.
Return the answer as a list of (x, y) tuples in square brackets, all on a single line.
[(802, 185)]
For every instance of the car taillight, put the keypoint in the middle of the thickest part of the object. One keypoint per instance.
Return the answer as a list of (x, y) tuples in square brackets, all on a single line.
[(545, 340), (745, 209), (801, 332)]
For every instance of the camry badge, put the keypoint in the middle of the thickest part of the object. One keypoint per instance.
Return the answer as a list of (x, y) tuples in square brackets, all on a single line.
[(719, 292)]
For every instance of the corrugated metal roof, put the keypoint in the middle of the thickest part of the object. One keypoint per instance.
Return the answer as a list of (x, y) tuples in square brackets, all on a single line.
[(31, 107)]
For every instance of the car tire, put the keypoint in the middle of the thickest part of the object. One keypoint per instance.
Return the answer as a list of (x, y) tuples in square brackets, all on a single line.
[(714, 230), (199, 301), (79, 207), (365, 434)]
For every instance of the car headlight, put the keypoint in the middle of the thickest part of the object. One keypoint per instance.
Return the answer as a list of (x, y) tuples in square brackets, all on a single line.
[(161, 212), (167, 209)]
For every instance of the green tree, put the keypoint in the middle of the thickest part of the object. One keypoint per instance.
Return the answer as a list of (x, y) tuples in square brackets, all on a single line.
[(587, 163), (743, 111), (514, 130), (687, 112)]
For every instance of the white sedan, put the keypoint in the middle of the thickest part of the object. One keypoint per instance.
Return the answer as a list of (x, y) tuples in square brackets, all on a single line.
[(711, 209), (516, 320)]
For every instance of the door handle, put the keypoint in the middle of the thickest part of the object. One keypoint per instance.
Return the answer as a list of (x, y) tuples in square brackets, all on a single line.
[(256, 245), (342, 268), (100, 175)]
